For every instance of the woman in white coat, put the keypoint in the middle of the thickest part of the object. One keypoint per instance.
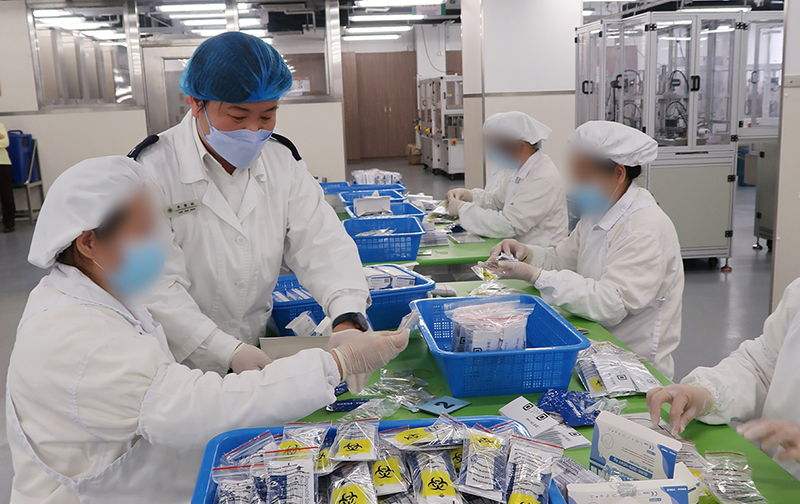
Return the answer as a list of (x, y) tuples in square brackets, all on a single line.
[(239, 202), (528, 202), (98, 410), (757, 382), (621, 266)]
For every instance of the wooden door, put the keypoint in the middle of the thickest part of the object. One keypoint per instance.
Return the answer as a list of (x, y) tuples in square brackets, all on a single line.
[(402, 101)]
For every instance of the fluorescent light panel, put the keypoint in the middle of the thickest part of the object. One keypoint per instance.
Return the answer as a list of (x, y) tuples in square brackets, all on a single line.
[(199, 7), (588, 12), (397, 3), (378, 29), (359, 38), (50, 13), (386, 17), (715, 9), (104, 34), (243, 22), (63, 21)]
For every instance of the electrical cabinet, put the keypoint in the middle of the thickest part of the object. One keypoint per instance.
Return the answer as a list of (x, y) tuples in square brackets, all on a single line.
[(441, 124)]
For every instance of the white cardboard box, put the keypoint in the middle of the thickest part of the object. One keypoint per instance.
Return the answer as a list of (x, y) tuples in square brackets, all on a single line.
[(665, 491)]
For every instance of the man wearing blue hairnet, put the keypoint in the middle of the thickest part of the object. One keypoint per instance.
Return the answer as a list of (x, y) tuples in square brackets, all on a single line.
[(238, 200)]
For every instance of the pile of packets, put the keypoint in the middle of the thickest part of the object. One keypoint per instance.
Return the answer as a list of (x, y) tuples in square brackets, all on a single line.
[(446, 462), (489, 326), (608, 370), (375, 176)]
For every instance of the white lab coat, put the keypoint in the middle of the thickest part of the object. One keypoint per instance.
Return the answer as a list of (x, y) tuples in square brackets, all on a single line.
[(222, 266), (530, 205), (624, 271), (760, 379), (90, 384)]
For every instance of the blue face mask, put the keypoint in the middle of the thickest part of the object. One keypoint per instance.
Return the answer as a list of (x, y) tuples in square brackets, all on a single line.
[(501, 159), (238, 147), (140, 266), (590, 199)]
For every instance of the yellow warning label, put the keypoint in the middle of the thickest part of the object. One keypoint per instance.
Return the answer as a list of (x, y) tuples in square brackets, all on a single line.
[(411, 436), (455, 456), (386, 472), (350, 494), (522, 499), (482, 441), (292, 450), (323, 459), (437, 483), (596, 383), (349, 447)]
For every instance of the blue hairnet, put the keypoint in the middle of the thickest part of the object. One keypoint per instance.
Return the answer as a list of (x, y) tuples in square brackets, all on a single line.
[(234, 67)]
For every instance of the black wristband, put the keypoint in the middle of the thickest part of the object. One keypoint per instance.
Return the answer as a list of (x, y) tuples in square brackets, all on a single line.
[(358, 319)]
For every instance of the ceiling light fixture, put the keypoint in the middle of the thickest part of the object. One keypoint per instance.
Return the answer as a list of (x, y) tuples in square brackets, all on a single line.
[(63, 21), (50, 13), (386, 17), (360, 38), (397, 3), (379, 29), (715, 9), (191, 7), (208, 33), (104, 34), (205, 22)]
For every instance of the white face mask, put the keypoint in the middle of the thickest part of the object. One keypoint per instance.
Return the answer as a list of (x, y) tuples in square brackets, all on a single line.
[(239, 147)]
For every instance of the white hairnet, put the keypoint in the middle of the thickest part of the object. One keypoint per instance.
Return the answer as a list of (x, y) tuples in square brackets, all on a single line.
[(617, 142), (79, 200), (516, 126)]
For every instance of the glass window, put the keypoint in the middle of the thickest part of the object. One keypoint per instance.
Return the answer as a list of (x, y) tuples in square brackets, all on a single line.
[(673, 43), (633, 76), (715, 86), (763, 74)]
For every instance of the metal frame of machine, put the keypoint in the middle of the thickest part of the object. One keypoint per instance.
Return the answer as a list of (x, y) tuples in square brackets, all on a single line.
[(441, 124), (677, 76)]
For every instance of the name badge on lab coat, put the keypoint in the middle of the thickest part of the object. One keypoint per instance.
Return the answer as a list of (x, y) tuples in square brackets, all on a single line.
[(181, 208)]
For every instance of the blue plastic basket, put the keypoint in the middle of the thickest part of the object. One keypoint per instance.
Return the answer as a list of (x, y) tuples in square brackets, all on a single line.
[(340, 187), (348, 197), (402, 245), (547, 362), (398, 209), (334, 187), (205, 489), (387, 310)]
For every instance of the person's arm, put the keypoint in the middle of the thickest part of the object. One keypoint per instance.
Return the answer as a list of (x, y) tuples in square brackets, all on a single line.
[(488, 199), (563, 256), (535, 198), (740, 382), (320, 252), (632, 275)]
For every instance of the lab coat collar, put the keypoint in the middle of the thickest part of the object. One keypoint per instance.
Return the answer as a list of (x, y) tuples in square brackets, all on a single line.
[(620, 208), (528, 165)]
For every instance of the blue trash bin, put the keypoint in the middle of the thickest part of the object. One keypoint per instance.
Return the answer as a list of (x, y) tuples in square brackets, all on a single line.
[(20, 150)]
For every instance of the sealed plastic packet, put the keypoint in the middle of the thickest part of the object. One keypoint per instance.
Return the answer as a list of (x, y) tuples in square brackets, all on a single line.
[(488, 326), (457, 457), (234, 484), (259, 475), (375, 408), (304, 435), (352, 484), (575, 407), (529, 470), (290, 475), (730, 479), (608, 370), (432, 476), (325, 464), (445, 432), (402, 498), (566, 472), (483, 466), (389, 472), (250, 452), (356, 441)]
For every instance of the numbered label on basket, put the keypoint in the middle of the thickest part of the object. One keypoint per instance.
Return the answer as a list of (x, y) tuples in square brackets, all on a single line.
[(445, 404)]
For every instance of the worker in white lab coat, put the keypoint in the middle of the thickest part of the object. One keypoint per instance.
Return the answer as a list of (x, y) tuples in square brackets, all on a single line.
[(97, 409), (757, 382), (525, 197), (621, 266), (239, 201)]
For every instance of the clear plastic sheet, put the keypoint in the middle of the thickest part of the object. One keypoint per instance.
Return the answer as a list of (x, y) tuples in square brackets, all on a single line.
[(483, 467), (487, 327), (377, 232), (352, 483), (374, 408), (325, 464), (529, 470), (356, 441), (445, 432), (250, 452), (576, 408), (304, 435), (389, 472), (432, 476), (730, 479), (290, 475)]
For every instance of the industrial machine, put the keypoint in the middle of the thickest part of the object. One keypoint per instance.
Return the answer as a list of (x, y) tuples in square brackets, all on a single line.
[(441, 124), (676, 77)]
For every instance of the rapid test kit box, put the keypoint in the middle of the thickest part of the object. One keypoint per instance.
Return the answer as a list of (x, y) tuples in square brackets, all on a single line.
[(629, 492), (633, 449)]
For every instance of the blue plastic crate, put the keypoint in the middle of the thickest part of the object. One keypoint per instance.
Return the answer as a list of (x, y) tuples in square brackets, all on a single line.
[(334, 187), (547, 362), (205, 489), (340, 187), (387, 310), (348, 197), (402, 245), (398, 209)]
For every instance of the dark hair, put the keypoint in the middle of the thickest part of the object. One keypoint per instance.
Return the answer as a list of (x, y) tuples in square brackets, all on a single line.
[(631, 172), (70, 255)]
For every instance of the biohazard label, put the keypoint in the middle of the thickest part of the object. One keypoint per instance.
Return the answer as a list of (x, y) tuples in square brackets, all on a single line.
[(386, 472), (293, 450), (437, 483), (350, 494), (522, 499), (350, 447), (411, 436), (323, 459), (486, 441), (455, 456)]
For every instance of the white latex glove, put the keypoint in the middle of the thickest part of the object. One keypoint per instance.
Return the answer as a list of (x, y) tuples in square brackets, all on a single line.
[(522, 252), (772, 433), (459, 194), (688, 402), (516, 271), (363, 354), (453, 206), (340, 338), (247, 357)]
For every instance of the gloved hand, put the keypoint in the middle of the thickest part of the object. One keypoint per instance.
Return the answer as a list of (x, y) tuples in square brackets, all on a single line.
[(516, 270), (688, 402), (341, 337), (522, 252), (247, 357), (361, 355), (773, 433), (459, 194), (453, 206)]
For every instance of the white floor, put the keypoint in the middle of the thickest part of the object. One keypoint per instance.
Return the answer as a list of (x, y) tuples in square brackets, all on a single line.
[(719, 310)]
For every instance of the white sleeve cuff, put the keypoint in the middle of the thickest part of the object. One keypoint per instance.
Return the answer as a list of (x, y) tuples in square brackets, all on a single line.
[(214, 353), (347, 301)]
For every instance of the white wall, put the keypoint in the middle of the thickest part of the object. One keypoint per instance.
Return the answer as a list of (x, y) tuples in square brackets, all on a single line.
[(17, 84), (65, 138), (786, 266), (431, 44), (317, 130)]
